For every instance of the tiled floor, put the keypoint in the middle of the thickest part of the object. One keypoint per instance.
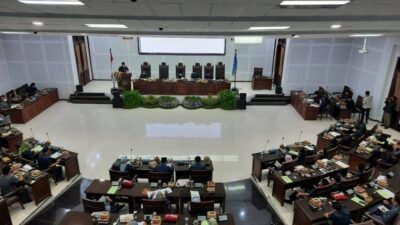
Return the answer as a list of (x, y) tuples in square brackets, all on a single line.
[(243, 201)]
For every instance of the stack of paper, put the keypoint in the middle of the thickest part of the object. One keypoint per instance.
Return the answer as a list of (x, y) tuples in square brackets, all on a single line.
[(287, 179), (341, 164), (385, 193), (358, 201), (112, 190)]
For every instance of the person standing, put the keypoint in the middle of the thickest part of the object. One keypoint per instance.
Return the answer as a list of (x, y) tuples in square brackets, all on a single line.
[(388, 110), (366, 106), (123, 68)]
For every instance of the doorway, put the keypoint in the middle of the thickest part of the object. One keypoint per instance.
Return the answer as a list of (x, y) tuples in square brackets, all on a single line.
[(395, 91), (82, 62), (279, 57)]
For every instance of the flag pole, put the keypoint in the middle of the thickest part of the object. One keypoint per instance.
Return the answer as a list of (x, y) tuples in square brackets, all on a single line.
[(111, 70), (234, 76)]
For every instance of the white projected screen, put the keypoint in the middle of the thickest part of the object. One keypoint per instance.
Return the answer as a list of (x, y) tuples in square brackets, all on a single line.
[(181, 46)]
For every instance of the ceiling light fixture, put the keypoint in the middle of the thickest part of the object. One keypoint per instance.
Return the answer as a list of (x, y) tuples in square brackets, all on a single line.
[(52, 2), (37, 23), (336, 26), (14, 32), (313, 3), (366, 35), (270, 28), (295, 36), (248, 39), (106, 25)]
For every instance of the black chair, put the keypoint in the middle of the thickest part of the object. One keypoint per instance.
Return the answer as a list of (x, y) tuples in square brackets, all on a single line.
[(201, 208), (12, 198), (163, 71), (220, 71), (323, 191), (257, 71), (145, 70), (164, 177), (90, 206), (349, 183), (197, 71), (331, 152), (158, 206), (116, 175), (201, 176), (208, 71), (366, 176), (289, 166), (309, 160), (180, 71)]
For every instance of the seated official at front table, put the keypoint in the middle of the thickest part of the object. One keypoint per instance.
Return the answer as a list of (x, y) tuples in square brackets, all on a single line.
[(123, 68), (45, 162), (9, 182), (387, 217), (197, 165), (163, 167), (360, 129), (3, 102), (123, 165)]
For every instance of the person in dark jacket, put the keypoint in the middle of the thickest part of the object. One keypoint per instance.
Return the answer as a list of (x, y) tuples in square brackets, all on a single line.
[(388, 110), (163, 167), (339, 215), (197, 165), (45, 162), (393, 209)]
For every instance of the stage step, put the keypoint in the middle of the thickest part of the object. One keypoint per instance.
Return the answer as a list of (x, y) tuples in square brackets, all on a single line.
[(264, 99), (88, 97)]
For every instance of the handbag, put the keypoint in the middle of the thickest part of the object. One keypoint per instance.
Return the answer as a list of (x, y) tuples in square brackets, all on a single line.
[(171, 218), (339, 196), (127, 184)]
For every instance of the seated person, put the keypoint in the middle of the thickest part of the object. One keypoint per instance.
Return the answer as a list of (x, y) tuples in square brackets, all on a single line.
[(323, 104), (15, 98), (9, 182), (288, 158), (3, 102), (163, 167), (123, 165), (31, 89), (339, 215), (45, 162), (197, 165), (123, 68), (110, 205), (301, 157), (387, 217), (360, 169), (360, 129), (25, 145), (29, 155)]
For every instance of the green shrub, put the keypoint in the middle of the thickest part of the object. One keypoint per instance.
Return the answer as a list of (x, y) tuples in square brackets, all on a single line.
[(192, 102), (150, 101), (168, 102), (132, 99), (210, 102), (227, 99)]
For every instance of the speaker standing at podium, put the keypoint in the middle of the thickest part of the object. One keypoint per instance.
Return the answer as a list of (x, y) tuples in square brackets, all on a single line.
[(123, 68)]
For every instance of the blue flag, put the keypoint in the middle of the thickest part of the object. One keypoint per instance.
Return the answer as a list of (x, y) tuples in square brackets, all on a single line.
[(234, 66)]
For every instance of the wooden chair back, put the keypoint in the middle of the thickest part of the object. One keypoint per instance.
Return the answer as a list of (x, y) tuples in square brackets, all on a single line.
[(150, 206), (156, 176), (201, 208), (201, 176), (289, 166), (90, 206), (116, 175)]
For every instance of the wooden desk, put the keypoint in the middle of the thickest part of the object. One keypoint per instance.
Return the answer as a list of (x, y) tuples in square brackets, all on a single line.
[(40, 187), (261, 163), (339, 112), (261, 82), (32, 109), (357, 158), (71, 165), (280, 186), (181, 87), (323, 142), (5, 217), (219, 196), (83, 218), (11, 141), (303, 215), (305, 110)]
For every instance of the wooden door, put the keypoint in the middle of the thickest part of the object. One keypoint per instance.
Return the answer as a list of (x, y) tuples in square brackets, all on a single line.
[(395, 91), (279, 61), (81, 60)]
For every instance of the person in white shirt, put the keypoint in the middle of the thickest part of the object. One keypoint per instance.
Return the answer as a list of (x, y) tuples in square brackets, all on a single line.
[(366, 106)]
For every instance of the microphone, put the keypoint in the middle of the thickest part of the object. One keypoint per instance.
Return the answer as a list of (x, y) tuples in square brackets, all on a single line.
[(48, 138), (283, 138), (262, 151), (131, 154), (301, 133), (33, 135)]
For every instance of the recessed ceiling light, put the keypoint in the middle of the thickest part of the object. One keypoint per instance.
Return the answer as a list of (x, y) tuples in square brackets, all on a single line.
[(296, 36), (313, 3), (52, 2), (248, 39), (106, 25), (270, 28), (366, 35), (336, 26), (37, 23), (14, 32)]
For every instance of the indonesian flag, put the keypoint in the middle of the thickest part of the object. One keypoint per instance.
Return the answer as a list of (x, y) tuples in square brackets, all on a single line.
[(111, 56)]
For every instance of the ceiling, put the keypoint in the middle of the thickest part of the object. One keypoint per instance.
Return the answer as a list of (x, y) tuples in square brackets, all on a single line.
[(202, 17)]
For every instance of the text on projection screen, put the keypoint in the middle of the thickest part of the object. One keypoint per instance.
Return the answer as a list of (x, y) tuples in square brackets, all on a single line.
[(169, 45)]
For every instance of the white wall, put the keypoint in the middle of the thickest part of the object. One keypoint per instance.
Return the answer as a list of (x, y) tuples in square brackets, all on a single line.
[(5, 84), (43, 59), (249, 56), (373, 71), (310, 63)]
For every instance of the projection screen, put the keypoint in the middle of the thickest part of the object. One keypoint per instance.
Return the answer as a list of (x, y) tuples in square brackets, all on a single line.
[(181, 46)]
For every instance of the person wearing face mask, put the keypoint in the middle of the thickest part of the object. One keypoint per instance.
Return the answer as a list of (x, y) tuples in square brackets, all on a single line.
[(3, 102)]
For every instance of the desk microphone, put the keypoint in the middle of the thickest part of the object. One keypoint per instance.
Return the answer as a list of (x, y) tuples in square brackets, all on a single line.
[(33, 135), (301, 133), (131, 154), (48, 138), (283, 138), (265, 148)]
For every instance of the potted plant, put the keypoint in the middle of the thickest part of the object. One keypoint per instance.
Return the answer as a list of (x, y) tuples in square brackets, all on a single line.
[(227, 99), (132, 99), (168, 102), (150, 101), (192, 102), (210, 102)]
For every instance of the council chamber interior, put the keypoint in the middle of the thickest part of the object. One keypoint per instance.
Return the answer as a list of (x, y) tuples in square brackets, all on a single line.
[(258, 112)]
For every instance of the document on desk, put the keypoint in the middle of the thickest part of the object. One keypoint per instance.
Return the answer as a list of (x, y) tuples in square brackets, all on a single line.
[(293, 152), (112, 190), (358, 201), (37, 148), (342, 164), (287, 179), (385, 193)]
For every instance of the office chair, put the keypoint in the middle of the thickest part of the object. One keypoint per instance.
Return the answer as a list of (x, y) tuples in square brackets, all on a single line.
[(197, 71), (201, 208), (209, 71), (158, 206), (90, 205), (201, 176), (145, 70), (220, 71), (163, 71), (156, 176), (257, 71), (180, 71)]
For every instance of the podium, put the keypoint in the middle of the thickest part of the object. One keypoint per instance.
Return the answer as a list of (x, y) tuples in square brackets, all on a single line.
[(123, 81)]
